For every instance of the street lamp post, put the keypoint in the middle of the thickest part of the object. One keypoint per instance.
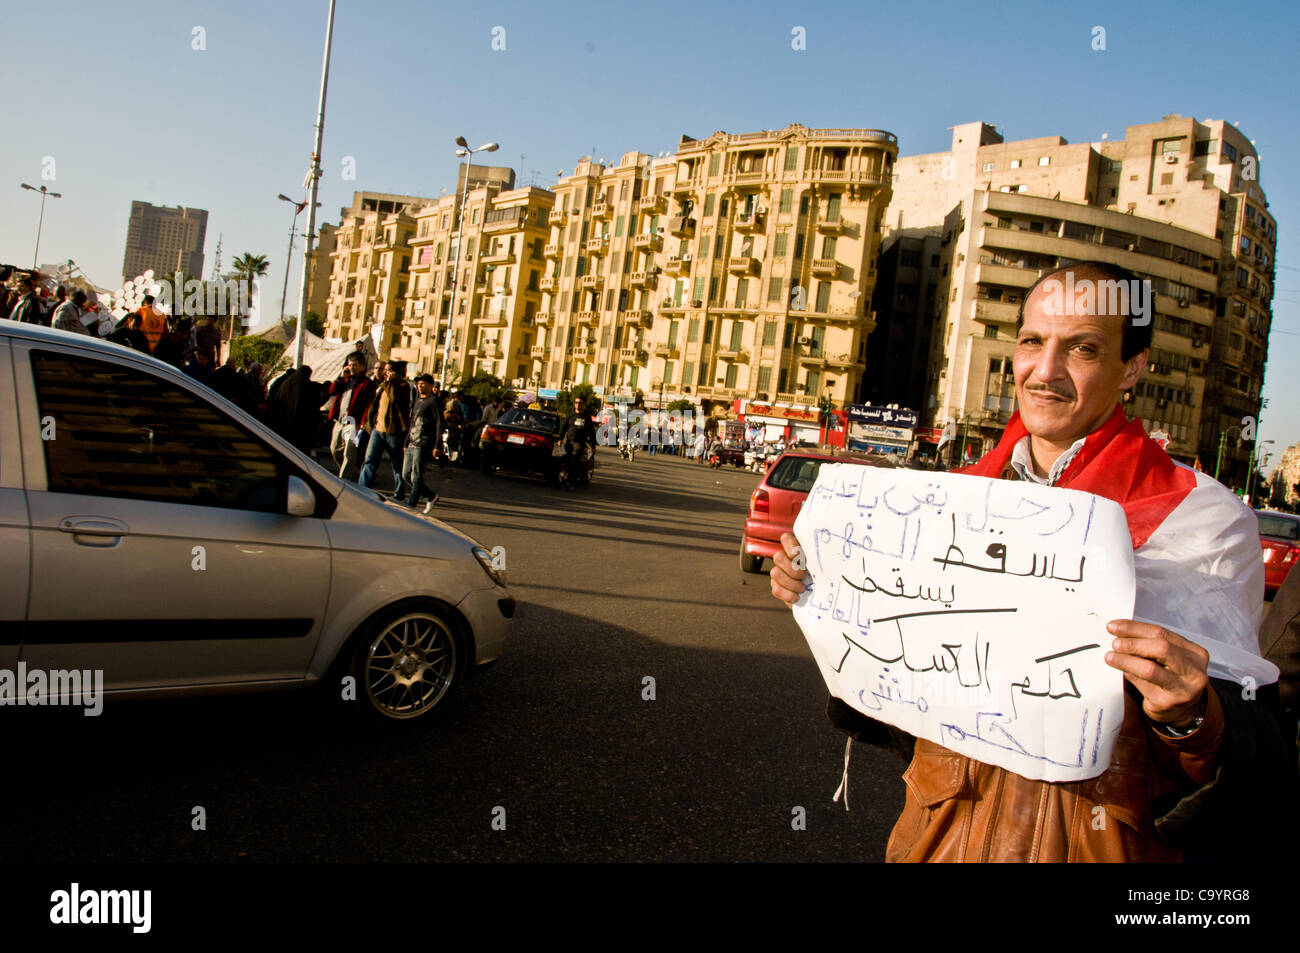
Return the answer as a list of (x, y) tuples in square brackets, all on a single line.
[(288, 259), (1250, 468), (313, 186), (465, 151), (41, 222)]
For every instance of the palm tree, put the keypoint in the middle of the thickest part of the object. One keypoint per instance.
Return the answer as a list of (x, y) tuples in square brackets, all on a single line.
[(248, 267)]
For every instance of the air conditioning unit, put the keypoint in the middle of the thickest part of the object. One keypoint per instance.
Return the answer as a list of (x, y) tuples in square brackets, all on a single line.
[(1182, 302), (686, 257), (697, 303), (1161, 402), (805, 341), (1171, 159), (761, 210)]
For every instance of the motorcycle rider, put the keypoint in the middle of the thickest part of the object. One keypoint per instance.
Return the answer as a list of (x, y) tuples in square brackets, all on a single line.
[(577, 434)]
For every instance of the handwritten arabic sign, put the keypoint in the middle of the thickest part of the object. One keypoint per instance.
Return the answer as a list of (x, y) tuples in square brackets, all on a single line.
[(971, 612)]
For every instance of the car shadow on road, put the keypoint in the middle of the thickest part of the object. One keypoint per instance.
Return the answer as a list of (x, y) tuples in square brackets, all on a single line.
[(597, 742)]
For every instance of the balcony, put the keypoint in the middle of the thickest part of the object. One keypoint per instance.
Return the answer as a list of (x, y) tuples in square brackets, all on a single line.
[(644, 319), (602, 210), (831, 226), (552, 250), (989, 274), (994, 312), (825, 267), (648, 242), (592, 281), (742, 265), (587, 317), (679, 226), (632, 355), (597, 245), (514, 219), (586, 355), (686, 183), (548, 284), (557, 217), (672, 307), (542, 317), (491, 319), (644, 279), (738, 354), (655, 204), (751, 222), (539, 351), (668, 351), (498, 258), (678, 265), (491, 351)]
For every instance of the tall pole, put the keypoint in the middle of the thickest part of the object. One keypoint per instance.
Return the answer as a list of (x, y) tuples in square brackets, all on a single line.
[(312, 192), (40, 223), (1218, 460), (455, 268), (288, 263)]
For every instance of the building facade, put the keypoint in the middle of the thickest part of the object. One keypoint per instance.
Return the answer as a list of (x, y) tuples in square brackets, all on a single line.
[(1177, 201), (164, 240)]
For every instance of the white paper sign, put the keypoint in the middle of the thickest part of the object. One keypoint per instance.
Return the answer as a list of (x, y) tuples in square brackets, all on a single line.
[(970, 611)]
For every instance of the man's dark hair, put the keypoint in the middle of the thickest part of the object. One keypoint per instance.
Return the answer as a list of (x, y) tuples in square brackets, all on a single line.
[(148, 299), (358, 356), (1136, 338), (78, 297), (399, 368)]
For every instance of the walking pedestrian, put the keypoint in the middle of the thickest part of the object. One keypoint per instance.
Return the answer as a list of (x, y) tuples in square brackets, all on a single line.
[(421, 440), (389, 419), (349, 401)]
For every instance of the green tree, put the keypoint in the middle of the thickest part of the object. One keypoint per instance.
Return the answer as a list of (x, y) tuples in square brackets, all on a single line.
[(680, 403), (564, 399), (486, 387), (251, 349), (314, 324), (248, 267)]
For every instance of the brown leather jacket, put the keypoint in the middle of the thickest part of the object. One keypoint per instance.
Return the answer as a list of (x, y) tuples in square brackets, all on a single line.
[(958, 809)]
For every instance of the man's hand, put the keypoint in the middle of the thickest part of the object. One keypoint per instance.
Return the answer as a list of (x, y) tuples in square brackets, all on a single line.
[(1169, 671), (788, 570)]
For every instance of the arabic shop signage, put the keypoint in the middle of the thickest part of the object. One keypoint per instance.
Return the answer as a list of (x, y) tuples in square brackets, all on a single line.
[(758, 409), (891, 416)]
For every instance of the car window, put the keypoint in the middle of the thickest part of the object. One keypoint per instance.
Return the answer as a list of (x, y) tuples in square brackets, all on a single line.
[(532, 420), (1278, 526), (794, 473), (121, 432)]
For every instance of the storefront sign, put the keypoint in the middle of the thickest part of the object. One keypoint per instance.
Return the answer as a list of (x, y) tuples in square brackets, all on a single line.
[(893, 416)]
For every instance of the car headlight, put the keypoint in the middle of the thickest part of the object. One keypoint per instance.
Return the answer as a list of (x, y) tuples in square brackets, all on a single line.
[(486, 560)]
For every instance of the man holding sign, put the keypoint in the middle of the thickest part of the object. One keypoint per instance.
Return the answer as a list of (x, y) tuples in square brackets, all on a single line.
[(1194, 745)]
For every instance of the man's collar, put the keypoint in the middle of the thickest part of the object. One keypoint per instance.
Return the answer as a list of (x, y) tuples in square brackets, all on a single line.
[(1022, 461)]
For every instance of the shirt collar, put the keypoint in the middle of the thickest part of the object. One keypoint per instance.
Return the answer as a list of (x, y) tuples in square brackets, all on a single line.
[(1022, 462)]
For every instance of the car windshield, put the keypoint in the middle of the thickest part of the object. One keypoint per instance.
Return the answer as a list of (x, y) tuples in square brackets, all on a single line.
[(531, 420), (795, 473), (1278, 527)]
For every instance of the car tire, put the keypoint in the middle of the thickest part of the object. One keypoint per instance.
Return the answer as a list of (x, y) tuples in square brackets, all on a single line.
[(749, 562), (407, 663)]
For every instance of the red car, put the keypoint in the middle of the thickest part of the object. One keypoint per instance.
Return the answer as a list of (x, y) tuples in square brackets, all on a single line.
[(1279, 535), (774, 506)]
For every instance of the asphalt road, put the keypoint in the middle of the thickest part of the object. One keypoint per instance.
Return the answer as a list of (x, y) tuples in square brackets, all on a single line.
[(635, 577)]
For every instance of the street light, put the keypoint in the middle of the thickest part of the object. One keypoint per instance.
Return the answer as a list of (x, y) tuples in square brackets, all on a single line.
[(466, 152), (41, 222), (288, 259), (1250, 469), (1222, 436)]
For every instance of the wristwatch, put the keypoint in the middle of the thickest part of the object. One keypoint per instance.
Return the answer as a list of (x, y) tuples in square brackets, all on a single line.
[(1169, 731)]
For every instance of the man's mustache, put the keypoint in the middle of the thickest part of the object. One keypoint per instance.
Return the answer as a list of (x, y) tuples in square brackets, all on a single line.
[(1048, 388)]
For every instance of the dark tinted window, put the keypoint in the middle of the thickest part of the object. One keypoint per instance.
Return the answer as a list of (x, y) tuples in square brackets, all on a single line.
[(794, 473), (531, 419), (121, 432), (1278, 526)]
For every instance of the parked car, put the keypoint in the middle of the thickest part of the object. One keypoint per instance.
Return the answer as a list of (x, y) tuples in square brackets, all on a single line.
[(523, 441), (775, 503), (1279, 535), (152, 530)]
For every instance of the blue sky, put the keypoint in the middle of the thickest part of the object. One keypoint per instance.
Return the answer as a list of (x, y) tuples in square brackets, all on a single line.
[(118, 95)]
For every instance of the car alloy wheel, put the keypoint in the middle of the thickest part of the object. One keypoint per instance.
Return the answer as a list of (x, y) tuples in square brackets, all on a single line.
[(408, 667)]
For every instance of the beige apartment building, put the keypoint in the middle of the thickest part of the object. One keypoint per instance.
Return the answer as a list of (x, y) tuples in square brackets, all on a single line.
[(1177, 201), (738, 267), (371, 268), (488, 292), (321, 270)]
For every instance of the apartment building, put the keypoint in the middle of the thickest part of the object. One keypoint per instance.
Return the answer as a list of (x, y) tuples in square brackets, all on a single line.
[(164, 240), (487, 293), (738, 267), (320, 271), (371, 268), (1177, 201)]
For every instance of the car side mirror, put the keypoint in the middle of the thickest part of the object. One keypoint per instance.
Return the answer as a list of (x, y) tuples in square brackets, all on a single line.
[(302, 501)]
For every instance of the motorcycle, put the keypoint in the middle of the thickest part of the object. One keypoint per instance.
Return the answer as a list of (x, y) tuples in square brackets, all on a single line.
[(576, 467), (451, 442), (627, 450)]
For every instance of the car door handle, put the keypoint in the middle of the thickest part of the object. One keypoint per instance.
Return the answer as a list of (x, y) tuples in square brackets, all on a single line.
[(92, 526)]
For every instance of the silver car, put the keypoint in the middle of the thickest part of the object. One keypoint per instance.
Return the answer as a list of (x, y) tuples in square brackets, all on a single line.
[(152, 530)]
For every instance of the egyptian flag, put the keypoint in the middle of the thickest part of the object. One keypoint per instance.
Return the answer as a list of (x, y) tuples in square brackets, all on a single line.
[(1196, 550)]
